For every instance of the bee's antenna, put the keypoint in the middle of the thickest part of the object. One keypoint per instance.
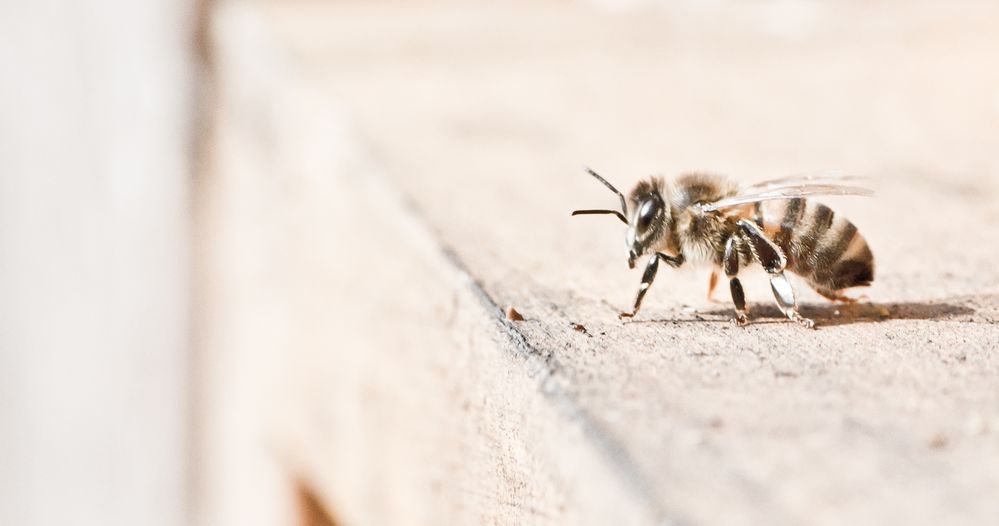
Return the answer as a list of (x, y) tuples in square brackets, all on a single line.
[(614, 212), (624, 205)]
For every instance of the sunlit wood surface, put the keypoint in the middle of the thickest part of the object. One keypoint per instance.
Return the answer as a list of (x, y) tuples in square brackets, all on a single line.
[(388, 178)]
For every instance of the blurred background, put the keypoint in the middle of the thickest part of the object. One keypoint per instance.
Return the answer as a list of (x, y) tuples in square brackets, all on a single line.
[(178, 240)]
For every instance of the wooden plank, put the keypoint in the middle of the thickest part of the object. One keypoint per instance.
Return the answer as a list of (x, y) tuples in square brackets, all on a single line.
[(424, 406), (426, 159)]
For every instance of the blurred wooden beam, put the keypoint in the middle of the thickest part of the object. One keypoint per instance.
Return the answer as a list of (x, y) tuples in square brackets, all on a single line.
[(97, 106)]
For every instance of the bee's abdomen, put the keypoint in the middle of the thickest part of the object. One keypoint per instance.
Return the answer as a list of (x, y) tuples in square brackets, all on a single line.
[(822, 247)]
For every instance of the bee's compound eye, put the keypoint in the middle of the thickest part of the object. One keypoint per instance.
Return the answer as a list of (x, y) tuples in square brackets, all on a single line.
[(646, 214)]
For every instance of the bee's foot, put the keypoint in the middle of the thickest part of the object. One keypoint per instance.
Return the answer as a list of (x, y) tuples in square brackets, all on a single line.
[(626, 315), (741, 319), (804, 322)]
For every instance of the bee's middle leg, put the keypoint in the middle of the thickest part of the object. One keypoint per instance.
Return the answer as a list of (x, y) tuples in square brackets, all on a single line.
[(712, 283), (730, 263), (773, 261)]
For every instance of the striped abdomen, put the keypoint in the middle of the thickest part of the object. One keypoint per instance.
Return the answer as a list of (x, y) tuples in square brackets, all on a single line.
[(822, 247)]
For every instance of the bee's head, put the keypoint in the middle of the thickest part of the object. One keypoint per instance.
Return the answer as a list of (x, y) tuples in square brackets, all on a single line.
[(649, 218)]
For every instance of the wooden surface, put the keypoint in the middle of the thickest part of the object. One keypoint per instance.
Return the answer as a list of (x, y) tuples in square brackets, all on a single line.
[(390, 177)]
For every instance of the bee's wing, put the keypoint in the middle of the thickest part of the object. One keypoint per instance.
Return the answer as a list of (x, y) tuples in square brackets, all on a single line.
[(832, 177), (754, 194)]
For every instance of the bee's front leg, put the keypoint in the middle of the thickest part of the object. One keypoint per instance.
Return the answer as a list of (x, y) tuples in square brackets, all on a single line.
[(648, 277)]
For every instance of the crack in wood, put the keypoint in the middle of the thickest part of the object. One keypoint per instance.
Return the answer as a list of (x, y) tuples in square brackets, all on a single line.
[(543, 367)]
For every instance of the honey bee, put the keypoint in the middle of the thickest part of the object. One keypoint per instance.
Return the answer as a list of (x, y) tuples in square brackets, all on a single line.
[(704, 218)]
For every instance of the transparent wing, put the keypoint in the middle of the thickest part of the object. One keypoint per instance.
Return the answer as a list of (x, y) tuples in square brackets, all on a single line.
[(756, 194), (832, 177)]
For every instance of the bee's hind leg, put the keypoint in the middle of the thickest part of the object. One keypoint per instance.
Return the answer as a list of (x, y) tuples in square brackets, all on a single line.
[(836, 295), (773, 261), (785, 299)]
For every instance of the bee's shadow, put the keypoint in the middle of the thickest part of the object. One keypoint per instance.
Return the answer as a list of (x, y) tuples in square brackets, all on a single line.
[(833, 314)]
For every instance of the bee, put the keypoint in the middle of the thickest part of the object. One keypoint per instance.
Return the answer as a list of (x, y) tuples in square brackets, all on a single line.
[(710, 219)]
